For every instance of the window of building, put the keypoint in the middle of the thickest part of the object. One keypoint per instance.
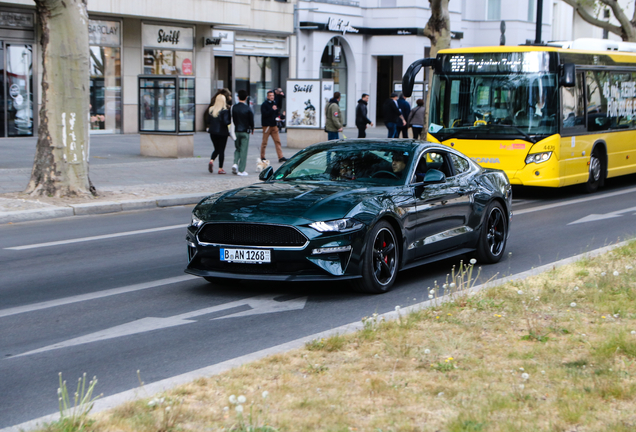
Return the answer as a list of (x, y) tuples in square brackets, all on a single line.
[(494, 10), (333, 66), (257, 75), (532, 13)]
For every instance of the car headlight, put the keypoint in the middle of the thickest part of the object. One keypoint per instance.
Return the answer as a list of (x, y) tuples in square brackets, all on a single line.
[(538, 157), (196, 221), (339, 225)]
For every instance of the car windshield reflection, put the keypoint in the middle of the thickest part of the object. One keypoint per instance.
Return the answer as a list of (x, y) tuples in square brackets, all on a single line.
[(369, 163)]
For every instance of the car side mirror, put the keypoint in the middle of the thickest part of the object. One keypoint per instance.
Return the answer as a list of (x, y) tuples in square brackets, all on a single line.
[(434, 176), (266, 174), (567, 75)]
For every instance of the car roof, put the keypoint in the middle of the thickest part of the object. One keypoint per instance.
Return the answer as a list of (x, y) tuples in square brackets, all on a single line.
[(395, 143)]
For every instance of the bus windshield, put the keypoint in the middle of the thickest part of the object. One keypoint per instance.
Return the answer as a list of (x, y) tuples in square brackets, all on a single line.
[(494, 105)]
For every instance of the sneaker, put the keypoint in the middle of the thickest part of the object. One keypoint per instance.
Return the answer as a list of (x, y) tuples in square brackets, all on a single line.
[(211, 167), (235, 169), (222, 171), (243, 173), (283, 159)]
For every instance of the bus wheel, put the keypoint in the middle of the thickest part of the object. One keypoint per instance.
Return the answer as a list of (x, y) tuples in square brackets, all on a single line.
[(596, 172)]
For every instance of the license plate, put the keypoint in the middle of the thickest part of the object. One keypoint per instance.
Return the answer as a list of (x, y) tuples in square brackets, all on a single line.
[(252, 256)]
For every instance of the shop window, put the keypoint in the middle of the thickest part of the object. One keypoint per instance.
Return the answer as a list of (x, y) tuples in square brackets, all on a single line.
[(167, 62), (257, 75), (105, 89)]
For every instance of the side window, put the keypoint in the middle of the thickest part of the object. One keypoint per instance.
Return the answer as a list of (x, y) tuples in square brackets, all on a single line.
[(432, 160), (573, 101), (596, 82), (620, 100), (460, 164)]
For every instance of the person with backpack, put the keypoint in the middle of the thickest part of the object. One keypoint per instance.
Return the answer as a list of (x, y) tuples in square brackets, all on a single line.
[(334, 116)]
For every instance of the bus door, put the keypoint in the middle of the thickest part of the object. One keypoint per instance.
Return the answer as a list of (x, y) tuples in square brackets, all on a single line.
[(574, 140)]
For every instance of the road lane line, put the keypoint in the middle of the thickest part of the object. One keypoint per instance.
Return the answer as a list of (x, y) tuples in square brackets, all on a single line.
[(93, 296), (572, 202), (100, 237)]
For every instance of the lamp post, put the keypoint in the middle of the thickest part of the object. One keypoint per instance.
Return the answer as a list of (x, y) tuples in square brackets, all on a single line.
[(537, 37)]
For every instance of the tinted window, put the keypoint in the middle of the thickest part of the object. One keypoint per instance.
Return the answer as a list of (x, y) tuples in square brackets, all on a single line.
[(597, 118), (460, 164)]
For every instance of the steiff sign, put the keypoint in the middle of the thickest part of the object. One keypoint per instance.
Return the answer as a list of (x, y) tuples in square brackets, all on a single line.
[(168, 37), (104, 33)]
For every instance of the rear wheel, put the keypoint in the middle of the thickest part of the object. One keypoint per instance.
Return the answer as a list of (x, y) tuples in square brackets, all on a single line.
[(381, 258), (596, 172), (493, 235)]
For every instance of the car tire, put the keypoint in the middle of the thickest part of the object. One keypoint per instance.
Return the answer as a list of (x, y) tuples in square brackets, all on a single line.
[(381, 260), (596, 171), (220, 281), (493, 235)]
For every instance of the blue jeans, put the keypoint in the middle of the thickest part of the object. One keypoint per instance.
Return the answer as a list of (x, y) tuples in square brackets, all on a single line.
[(332, 136), (393, 130)]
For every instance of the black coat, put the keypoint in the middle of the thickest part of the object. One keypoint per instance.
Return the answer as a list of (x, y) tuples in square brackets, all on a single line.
[(243, 118), (361, 114), (391, 112), (219, 124), (268, 113)]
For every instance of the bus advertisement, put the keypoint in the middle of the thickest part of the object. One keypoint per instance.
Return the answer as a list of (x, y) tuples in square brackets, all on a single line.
[(547, 116)]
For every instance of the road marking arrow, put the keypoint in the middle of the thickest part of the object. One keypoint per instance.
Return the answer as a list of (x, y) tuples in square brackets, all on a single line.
[(259, 305), (597, 217)]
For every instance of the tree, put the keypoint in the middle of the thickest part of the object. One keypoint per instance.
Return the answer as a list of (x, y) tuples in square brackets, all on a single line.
[(626, 28), (438, 31), (60, 167)]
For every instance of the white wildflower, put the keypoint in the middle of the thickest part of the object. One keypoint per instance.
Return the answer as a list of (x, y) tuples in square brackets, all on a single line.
[(543, 372), (430, 296), (397, 309), (226, 409), (616, 315), (525, 376), (634, 332), (583, 335), (521, 386), (233, 400), (628, 267), (428, 351), (440, 394), (445, 286), (615, 273), (241, 399), (473, 261), (573, 304), (603, 273), (519, 292), (265, 394), (452, 285), (521, 369), (576, 288), (239, 408)]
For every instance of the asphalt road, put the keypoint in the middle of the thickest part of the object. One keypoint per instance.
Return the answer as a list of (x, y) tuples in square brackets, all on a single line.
[(59, 313)]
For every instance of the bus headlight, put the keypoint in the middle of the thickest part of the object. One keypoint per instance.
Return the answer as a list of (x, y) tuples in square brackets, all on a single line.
[(538, 157)]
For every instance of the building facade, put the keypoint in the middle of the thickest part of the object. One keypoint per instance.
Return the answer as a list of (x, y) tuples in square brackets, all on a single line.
[(137, 49)]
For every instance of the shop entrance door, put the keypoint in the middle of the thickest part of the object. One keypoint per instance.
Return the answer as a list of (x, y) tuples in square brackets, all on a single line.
[(16, 93), (385, 74)]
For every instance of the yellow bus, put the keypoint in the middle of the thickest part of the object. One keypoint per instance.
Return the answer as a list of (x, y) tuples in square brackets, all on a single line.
[(547, 116)]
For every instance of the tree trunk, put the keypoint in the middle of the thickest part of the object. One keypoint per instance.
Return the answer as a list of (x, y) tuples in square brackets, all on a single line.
[(626, 28), (438, 31), (61, 160)]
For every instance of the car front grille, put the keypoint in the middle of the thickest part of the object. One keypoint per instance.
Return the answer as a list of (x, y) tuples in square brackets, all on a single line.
[(237, 234)]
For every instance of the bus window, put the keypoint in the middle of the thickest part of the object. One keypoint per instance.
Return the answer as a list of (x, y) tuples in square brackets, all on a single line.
[(597, 118), (621, 95), (573, 102)]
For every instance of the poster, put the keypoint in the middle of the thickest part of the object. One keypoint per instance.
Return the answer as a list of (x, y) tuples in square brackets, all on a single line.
[(303, 103), (326, 92)]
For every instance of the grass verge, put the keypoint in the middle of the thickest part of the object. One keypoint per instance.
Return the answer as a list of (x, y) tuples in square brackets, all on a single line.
[(555, 352)]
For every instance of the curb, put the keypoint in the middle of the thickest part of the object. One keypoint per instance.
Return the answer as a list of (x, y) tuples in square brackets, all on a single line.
[(102, 207), (147, 390)]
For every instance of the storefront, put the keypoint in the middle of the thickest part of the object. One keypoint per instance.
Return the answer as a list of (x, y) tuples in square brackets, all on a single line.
[(105, 81), (17, 95)]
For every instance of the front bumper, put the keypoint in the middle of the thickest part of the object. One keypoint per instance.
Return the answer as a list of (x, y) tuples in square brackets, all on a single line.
[(306, 263)]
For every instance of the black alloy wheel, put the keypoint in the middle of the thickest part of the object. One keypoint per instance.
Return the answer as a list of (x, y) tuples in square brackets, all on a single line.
[(381, 258), (494, 234), (596, 172)]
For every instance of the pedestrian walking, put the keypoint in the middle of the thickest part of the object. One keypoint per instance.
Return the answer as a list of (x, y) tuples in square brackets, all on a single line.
[(334, 116), (243, 119), (392, 115), (362, 121), (405, 107), (416, 118), (279, 97), (219, 119), (269, 112), (228, 99)]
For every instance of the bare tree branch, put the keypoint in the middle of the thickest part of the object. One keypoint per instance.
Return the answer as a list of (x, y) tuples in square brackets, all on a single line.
[(619, 13), (578, 7)]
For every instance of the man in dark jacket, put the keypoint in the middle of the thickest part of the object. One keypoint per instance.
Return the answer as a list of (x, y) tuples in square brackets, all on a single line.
[(243, 119), (361, 116), (392, 116), (269, 112), (405, 107)]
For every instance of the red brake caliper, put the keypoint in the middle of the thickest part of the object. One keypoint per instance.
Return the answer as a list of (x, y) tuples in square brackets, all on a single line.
[(386, 259)]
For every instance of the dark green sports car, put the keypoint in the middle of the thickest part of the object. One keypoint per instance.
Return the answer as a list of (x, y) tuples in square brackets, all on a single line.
[(355, 209)]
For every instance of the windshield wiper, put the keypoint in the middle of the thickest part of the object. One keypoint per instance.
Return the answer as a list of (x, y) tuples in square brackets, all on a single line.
[(526, 136)]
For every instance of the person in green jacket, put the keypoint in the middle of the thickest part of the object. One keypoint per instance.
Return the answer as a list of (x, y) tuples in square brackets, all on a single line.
[(334, 118)]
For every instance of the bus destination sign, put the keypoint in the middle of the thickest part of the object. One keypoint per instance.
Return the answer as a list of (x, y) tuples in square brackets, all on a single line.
[(519, 62)]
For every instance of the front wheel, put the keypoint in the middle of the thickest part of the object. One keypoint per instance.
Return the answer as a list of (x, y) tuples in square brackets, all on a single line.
[(381, 258), (493, 235), (596, 172)]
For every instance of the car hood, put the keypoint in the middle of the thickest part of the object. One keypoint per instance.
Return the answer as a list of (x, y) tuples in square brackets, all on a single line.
[(290, 200)]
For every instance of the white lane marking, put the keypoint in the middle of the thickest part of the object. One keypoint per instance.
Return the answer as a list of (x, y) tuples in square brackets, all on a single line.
[(596, 217), (572, 202), (259, 305), (100, 237), (92, 296)]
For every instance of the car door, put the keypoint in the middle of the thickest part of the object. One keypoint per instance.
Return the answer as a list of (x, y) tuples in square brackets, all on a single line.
[(442, 209)]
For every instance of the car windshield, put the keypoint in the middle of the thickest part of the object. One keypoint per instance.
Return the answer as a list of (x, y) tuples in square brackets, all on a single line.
[(377, 163), (481, 99)]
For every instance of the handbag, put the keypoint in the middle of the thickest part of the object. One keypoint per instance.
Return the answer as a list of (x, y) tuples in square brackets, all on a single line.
[(231, 129)]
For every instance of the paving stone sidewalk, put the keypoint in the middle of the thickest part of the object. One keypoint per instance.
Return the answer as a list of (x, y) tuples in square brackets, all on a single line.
[(125, 180)]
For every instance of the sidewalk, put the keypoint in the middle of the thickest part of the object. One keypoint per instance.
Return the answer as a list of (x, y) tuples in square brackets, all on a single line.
[(125, 180)]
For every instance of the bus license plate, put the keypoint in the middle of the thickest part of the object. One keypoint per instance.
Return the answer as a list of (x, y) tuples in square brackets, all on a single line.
[(252, 256)]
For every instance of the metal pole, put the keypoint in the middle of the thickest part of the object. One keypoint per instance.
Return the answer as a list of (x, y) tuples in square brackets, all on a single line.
[(537, 38)]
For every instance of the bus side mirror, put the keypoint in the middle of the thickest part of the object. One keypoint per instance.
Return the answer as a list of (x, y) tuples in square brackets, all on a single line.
[(409, 77), (567, 75)]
